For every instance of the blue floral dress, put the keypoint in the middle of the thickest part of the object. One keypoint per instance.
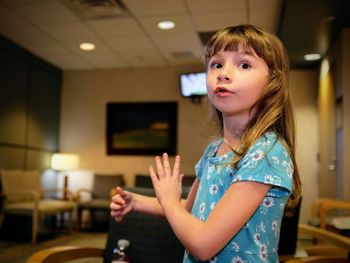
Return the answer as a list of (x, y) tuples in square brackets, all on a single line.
[(268, 162)]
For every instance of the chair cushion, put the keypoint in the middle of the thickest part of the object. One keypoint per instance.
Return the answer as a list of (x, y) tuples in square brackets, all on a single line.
[(104, 183), (45, 207), (15, 180)]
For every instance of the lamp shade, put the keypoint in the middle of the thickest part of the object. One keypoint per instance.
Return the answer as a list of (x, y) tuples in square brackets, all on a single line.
[(64, 161)]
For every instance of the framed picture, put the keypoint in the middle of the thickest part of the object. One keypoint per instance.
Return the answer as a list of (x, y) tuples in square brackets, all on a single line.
[(147, 128)]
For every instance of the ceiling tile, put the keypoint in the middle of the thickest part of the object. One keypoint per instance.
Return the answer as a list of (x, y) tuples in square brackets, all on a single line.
[(74, 30), (12, 2), (44, 12), (265, 18), (178, 41), (129, 43), (69, 62), (265, 4), (144, 57), (48, 47), (104, 59), (205, 22), (155, 7), (206, 6), (10, 19), (115, 27), (50, 29), (24, 34), (173, 47)]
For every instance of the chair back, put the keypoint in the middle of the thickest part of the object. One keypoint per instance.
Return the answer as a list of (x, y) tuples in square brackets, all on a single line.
[(289, 232), (151, 239), (16, 181), (103, 184)]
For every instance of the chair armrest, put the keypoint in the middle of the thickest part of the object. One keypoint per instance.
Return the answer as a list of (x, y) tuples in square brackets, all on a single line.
[(329, 205), (325, 235), (60, 190), (315, 206), (64, 253)]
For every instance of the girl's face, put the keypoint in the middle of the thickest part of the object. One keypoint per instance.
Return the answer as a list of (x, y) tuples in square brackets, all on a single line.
[(235, 81)]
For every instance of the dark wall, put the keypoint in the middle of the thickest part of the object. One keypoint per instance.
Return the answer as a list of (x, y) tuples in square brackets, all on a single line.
[(30, 91)]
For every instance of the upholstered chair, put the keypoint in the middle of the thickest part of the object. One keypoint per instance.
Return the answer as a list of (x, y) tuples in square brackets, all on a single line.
[(24, 196)]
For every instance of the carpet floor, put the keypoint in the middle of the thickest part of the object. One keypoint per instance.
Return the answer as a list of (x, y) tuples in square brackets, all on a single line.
[(19, 251)]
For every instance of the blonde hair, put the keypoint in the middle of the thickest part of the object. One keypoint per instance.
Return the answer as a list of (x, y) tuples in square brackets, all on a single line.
[(273, 111)]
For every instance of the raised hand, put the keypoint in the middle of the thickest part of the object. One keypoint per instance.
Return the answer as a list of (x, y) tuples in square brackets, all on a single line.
[(121, 204), (167, 183)]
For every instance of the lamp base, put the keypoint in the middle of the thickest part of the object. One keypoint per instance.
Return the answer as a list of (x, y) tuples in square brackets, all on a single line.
[(65, 187)]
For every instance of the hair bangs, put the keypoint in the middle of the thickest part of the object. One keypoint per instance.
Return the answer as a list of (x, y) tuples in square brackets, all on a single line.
[(229, 40)]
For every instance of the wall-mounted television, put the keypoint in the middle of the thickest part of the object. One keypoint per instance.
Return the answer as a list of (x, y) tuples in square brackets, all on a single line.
[(193, 84)]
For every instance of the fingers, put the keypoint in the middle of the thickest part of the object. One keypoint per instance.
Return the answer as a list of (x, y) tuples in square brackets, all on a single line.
[(163, 168), (176, 169), (166, 164), (159, 167), (118, 202), (153, 175), (124, 194)]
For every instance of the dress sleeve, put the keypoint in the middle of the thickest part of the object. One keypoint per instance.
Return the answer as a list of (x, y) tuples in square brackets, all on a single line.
[(268, 162)]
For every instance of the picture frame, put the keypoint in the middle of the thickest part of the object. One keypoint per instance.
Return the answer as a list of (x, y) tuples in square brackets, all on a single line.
[(141, 128)]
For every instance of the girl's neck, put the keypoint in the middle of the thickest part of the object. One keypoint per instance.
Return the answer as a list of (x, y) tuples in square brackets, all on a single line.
[(233, 132)]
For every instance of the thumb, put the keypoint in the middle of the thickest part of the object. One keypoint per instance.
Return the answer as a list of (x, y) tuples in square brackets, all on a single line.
[(121, 192)]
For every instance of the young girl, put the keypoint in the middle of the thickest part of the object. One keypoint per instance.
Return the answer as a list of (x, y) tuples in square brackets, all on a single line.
[(247, 177)]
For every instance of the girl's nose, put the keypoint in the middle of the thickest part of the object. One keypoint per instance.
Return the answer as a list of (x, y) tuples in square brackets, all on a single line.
[(224, 77)]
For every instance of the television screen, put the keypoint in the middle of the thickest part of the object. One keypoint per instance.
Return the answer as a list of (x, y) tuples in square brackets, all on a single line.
[(193, 84)]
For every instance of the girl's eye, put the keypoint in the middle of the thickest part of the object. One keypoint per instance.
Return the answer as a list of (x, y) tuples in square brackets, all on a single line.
[(215, 65), (244, 66)]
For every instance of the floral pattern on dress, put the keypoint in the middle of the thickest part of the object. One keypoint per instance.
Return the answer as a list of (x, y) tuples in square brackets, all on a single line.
[(238, 260), (267, 161)]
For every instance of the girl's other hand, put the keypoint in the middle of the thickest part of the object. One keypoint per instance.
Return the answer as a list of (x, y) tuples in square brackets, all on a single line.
[(167, 183), (121, 204)]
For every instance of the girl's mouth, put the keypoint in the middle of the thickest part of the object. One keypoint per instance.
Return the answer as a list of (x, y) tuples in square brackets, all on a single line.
[(221, 91)]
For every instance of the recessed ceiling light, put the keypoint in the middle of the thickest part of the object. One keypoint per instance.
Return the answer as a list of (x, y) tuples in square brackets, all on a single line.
[(87, 46), (312, 57), (166, 25)]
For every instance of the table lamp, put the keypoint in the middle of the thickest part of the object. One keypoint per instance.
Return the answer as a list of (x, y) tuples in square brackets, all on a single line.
[(65, 162)]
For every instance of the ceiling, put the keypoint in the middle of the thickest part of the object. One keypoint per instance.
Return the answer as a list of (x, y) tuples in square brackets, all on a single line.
[(126, 35)]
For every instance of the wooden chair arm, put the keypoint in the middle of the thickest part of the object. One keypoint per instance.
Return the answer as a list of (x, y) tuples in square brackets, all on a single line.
[(330, 205), (315, 206), (60, 190), (64, 253), (325, 235)]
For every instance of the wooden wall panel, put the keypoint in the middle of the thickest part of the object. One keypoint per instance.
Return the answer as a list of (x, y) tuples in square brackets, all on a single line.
[(13, 97), (43, 111), (11, 157), (37, 160), (29, 109)]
